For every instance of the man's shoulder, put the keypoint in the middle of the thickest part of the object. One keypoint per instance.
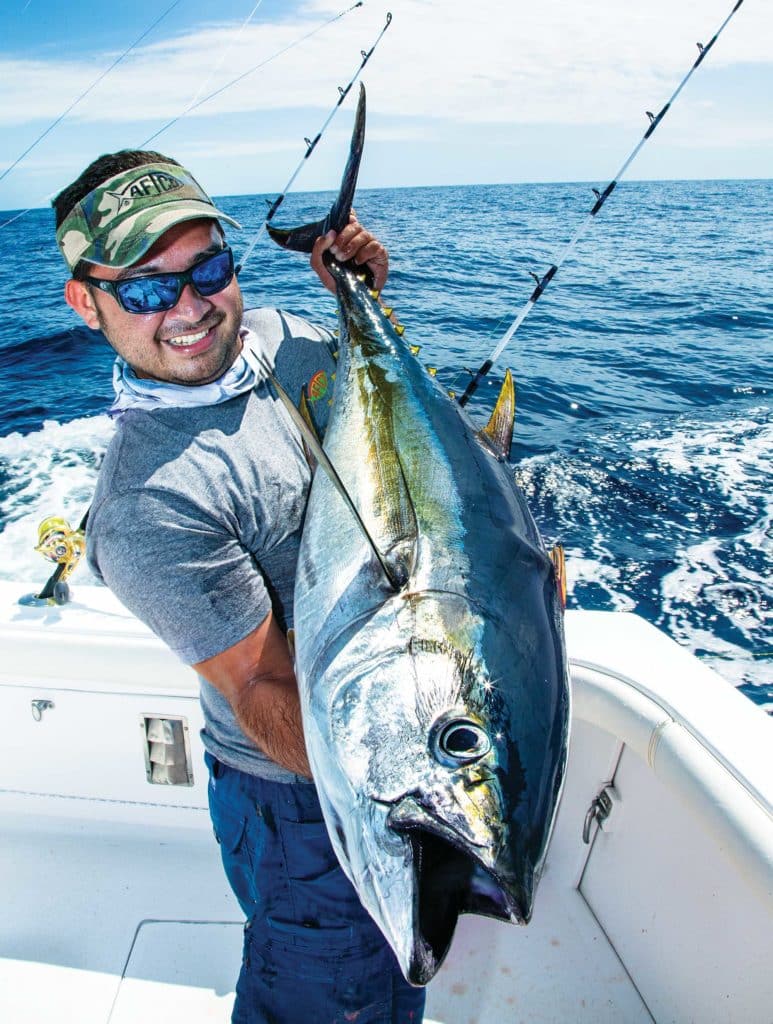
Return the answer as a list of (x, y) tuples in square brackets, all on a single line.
[(126, 456), (147, 462), (278, 327), (303, 355)]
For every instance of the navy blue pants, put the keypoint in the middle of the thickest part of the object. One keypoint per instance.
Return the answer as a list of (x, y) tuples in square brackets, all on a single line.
[(312, 954)]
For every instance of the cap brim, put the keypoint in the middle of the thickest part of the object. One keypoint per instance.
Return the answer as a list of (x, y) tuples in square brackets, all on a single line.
[(137, 235)]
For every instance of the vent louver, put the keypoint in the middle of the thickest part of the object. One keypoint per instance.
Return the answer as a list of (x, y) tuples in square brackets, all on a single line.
[(167, 750)]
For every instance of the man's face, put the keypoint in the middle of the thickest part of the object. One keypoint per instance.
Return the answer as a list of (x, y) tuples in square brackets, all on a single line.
[(193, 343)]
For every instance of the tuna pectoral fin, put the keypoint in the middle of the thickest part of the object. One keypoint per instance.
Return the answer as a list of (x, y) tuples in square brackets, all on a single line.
[(498, 432), (312, 441), (558, 559), (305, 411), (302, 239)]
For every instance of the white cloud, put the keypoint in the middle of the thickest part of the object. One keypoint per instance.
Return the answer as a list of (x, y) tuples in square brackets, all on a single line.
[(236, 150), (589, 61), (499, 72)]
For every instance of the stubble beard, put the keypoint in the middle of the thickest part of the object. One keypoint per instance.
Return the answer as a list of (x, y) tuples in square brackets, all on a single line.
[(230, 352)]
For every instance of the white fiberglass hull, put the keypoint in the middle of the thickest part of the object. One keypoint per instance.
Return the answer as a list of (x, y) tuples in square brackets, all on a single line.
[(115, 908)]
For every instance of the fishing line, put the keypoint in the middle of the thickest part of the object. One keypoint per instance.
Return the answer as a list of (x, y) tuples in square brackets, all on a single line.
[(195, 104), (311, 144), (601, 197), (225, 54), (84, 94)]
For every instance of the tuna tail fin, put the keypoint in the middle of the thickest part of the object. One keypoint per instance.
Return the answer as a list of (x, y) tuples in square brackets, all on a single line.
[(302, 239)]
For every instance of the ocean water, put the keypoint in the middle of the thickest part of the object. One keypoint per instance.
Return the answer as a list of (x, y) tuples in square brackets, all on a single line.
[(644, 380)]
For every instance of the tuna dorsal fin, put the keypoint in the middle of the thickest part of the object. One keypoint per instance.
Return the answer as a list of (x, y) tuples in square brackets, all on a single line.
[(310, 438), (498, 432), (302, 239)]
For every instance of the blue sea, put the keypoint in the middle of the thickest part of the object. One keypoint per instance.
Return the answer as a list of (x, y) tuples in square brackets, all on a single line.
[(644, 381)]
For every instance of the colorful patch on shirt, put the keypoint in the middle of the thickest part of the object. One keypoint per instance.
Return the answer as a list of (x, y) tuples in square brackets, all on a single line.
[(317, 386)]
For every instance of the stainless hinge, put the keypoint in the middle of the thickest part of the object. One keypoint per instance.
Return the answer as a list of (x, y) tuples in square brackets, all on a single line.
[(39, 706)]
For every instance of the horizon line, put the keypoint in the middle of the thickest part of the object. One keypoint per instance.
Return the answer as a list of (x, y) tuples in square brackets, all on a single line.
[(590, 182)]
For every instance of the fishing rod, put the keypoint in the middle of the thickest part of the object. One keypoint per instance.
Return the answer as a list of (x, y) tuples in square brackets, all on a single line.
[(311, 144), (601, 197)]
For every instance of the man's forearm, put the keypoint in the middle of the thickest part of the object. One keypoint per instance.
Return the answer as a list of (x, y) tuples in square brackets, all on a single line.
[(256, 676), (269, 712)]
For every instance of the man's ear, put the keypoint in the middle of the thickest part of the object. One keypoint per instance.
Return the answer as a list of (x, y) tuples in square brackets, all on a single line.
[(78, 296)]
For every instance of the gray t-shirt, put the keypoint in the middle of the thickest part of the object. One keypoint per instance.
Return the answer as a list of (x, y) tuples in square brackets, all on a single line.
[(197, 515)]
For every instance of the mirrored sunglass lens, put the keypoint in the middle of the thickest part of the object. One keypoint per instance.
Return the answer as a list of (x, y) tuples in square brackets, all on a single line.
[(149, 294), (214, 274)]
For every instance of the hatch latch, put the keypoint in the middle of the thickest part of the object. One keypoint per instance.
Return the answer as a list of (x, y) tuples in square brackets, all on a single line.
[(598, 811)]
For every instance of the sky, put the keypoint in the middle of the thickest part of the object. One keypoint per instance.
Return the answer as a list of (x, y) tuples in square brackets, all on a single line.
[(459, 91)]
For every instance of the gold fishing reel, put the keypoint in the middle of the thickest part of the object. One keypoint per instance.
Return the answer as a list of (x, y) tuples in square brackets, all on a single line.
[(59, 543)]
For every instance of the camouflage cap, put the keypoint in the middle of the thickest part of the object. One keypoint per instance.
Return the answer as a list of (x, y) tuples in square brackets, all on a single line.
[(119, 221)]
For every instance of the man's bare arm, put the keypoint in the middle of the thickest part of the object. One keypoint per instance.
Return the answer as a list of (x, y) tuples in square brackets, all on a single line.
[(257, 678)]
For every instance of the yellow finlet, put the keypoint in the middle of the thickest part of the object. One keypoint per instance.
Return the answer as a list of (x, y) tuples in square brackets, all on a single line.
[(415, 349), (399, 330), (432, 371), (374, 294), (387, 311)]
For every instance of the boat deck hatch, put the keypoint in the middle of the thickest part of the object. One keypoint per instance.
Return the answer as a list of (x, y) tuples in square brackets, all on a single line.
[(167, 750), (180, 971)]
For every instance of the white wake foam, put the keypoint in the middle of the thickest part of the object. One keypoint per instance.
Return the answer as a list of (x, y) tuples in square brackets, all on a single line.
[(730, 576), (672, 520), (52, 471)]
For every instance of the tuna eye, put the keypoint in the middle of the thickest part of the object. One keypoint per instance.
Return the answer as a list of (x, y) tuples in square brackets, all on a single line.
[(463, 740)]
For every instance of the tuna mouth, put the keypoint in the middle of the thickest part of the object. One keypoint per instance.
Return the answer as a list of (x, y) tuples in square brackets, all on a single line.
[(450, 879)]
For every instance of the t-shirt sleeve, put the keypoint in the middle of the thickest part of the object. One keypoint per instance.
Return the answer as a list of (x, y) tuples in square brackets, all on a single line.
[(178, 570)]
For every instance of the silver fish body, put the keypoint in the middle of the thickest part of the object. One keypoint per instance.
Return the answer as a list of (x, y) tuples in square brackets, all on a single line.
[(435, 706)]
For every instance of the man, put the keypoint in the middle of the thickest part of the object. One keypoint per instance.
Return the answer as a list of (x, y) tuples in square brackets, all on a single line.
[(195, 525)]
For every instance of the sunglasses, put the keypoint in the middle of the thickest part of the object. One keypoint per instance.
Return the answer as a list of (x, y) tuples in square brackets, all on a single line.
[(159, 292)]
